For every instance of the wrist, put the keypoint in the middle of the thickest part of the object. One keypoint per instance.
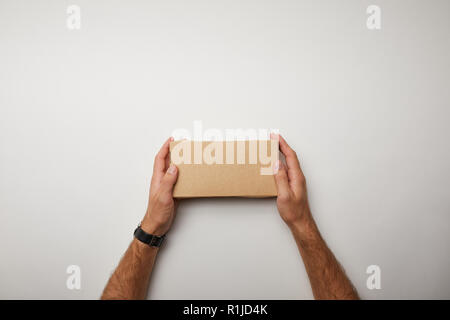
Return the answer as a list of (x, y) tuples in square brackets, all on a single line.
[(152, 228), (150, 225), (304, 225)]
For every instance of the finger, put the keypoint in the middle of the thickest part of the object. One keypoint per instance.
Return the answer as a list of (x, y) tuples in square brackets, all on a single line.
[(159, 166), (168, 181), (291, 159), (281, 179), (167, 162)]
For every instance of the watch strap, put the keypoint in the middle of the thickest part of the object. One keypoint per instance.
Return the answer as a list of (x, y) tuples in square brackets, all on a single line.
[(147, 238)]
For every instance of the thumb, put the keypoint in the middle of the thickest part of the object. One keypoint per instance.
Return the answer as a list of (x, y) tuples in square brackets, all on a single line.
[(169, 179), (281, 178)]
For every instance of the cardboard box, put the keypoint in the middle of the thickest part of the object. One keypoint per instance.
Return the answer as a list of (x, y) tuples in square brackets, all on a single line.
[(225, 168)]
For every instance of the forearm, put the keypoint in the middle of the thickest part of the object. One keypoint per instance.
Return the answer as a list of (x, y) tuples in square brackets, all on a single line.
[(328, 279), (131, 278)]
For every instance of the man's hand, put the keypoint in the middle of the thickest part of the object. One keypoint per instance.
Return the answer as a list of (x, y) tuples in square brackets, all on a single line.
[(131, 278), (161, 205), (328, 279), (292, 200)]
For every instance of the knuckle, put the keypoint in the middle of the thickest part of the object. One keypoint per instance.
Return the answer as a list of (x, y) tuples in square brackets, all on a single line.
[(279, 176), (164, 183), (164, 201), (283, 197)]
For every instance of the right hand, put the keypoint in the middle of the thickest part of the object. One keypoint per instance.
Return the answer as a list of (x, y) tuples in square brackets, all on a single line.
[(292, 200)]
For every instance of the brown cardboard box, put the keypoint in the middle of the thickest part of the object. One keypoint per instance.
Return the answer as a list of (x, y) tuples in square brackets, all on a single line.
[(224, 169)]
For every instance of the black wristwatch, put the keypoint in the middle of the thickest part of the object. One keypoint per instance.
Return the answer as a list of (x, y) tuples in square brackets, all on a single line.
[(147, 238)]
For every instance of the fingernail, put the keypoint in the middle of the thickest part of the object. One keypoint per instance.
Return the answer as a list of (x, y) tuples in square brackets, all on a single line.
[(273, 136), (172, 169), (276, 166), (171, 139)]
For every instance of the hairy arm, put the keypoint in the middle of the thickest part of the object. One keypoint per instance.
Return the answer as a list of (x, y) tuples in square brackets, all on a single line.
[(131, 278), (327, 278)]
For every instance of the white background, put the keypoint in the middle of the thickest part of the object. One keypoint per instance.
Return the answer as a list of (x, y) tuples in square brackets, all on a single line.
[(82, 114)]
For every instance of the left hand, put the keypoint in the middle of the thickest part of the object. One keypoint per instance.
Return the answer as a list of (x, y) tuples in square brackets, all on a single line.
[(161, 205)]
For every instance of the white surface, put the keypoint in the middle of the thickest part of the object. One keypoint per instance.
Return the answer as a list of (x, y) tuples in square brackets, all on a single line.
[(82, 114)]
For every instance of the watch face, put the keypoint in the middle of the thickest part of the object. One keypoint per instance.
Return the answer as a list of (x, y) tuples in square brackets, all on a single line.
[(156, 241)]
